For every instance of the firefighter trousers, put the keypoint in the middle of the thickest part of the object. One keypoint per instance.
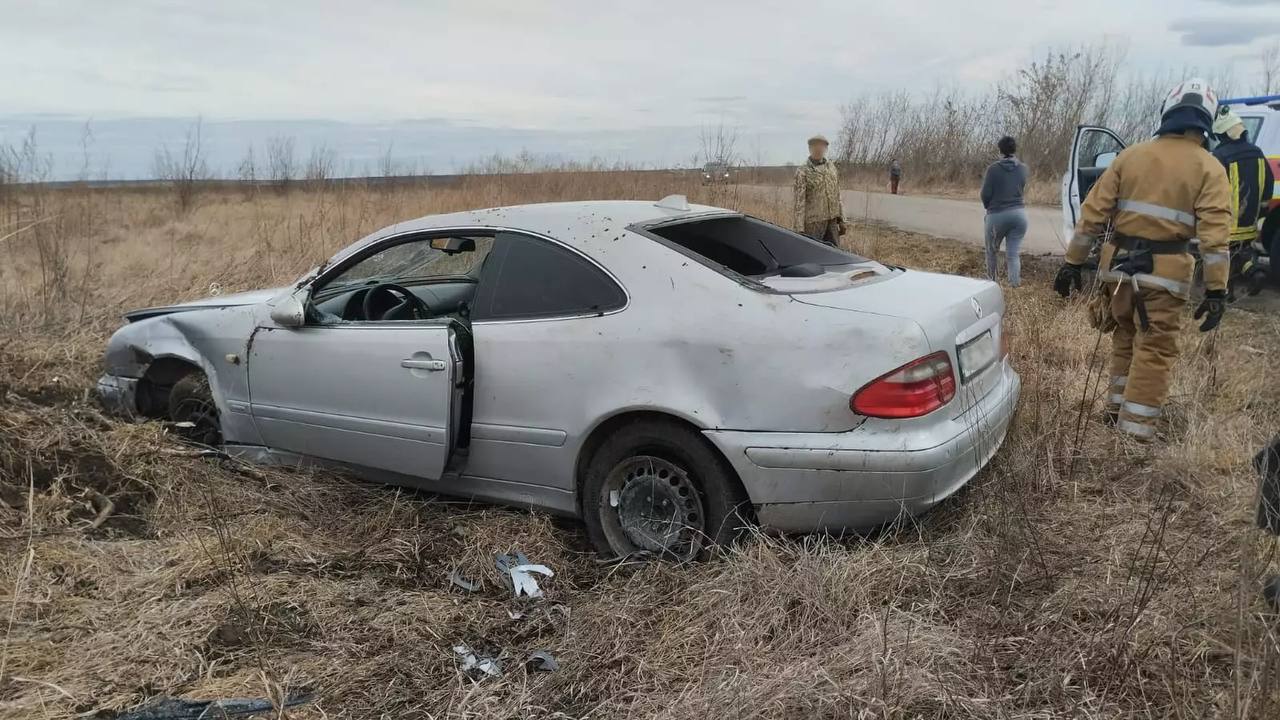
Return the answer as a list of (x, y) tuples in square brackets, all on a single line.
[(1142, 360)]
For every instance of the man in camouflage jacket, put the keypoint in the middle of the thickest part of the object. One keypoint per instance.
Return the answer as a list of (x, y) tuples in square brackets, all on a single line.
[(818, 210)]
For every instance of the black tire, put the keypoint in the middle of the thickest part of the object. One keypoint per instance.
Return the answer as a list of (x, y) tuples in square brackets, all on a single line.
[(192, 408), (683, 468)]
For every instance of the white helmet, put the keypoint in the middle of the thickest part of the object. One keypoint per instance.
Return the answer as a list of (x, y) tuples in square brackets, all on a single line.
[(1196, 94)]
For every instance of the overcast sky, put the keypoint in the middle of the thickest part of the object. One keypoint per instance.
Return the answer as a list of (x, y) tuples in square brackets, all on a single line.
[(586, 74)]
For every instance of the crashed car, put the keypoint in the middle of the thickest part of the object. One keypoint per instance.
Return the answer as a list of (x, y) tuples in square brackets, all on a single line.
[(663, 371)]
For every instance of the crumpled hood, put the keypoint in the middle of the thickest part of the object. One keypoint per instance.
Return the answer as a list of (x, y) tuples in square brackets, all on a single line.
[(249, 297)]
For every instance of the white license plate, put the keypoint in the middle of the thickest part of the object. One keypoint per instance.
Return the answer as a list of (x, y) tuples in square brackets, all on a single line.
[(977, 355)]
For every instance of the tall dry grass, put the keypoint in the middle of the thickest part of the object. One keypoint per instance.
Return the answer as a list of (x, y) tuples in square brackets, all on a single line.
[(1078, 576)]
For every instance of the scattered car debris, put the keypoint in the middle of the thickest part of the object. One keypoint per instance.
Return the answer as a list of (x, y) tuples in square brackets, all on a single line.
[(515, 615), (171, 708), (475, 664), (457, 578), (517, 574), (543, 660)]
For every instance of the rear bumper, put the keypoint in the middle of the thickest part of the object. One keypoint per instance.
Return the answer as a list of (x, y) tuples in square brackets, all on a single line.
[(118, 395), (874, 474)]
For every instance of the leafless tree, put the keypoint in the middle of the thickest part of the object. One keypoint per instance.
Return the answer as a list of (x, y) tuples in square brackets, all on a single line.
[(320, 163), (185, 169), (282, 166), (1271, 68), (387, 165), (718, 144)]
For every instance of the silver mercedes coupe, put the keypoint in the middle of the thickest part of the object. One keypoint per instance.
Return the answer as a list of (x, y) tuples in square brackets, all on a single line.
[(667, 372)]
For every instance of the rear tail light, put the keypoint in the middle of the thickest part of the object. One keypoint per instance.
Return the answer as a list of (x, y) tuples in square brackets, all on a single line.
[(915, 389)]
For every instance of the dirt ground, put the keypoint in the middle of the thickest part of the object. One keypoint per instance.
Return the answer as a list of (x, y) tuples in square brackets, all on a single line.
[(1078, 576)]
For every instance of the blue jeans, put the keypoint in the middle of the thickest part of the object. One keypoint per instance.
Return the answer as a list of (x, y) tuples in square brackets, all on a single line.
[(1007, 227)]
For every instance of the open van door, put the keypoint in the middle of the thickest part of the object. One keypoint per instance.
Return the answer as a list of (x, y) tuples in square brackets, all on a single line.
[(1092, 151)]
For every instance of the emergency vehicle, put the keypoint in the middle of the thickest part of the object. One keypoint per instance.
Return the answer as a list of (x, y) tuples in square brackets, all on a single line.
[(1095, 147)]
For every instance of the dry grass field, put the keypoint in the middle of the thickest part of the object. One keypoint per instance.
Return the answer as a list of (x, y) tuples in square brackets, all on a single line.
[(1078, 576)]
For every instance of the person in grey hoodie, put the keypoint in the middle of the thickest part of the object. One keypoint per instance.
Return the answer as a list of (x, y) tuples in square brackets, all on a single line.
[(1006, 217)]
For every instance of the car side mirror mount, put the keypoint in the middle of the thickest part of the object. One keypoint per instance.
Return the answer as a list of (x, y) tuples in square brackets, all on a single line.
[(290, 311)]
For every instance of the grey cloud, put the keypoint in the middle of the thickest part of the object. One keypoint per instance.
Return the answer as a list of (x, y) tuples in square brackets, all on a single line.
[(1224, 32)]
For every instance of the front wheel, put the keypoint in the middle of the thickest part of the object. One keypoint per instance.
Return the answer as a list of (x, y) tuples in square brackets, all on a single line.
[(193, 410), (658, 488)]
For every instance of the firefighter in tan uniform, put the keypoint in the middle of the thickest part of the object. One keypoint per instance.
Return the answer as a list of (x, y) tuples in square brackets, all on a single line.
[(818, 210), (1158, 195)]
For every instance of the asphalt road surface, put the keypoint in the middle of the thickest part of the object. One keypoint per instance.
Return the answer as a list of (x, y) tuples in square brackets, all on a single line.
[(944, 217), (958, 219)]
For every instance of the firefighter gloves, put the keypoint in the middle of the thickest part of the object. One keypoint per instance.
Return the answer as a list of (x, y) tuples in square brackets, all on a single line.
[(1068, 279), (1213, 305)]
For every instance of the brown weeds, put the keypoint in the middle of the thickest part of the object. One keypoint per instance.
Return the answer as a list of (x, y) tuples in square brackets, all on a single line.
[(1076, 577)]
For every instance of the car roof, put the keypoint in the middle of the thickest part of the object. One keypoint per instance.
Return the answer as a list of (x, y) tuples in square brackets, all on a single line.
[(573, 223), (553, 216)]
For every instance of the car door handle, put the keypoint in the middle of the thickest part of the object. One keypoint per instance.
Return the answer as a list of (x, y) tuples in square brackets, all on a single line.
[(414, 364)]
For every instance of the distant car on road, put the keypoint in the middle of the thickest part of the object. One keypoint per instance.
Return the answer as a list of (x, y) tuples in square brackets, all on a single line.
[(715, 173), (659, 370)]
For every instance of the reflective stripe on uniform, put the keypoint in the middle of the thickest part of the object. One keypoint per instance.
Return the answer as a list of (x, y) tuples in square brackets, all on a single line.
[(1115, 399), (1213, 259), (1174, 287), (1233, 175), (1141, 410), (1119, 381), (1157, 211), (1137, 429)]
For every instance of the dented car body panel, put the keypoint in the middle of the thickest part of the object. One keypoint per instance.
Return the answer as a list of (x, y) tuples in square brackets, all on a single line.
[(506, 408)]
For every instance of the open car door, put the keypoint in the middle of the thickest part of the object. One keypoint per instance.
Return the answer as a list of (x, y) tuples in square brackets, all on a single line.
[(1092, 152), (378, 395)]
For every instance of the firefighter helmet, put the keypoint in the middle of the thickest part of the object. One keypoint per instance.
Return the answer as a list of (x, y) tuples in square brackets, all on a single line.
[(1197, 95)]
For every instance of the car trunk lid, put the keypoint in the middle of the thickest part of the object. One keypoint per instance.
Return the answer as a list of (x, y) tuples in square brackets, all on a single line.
[(961, 316)]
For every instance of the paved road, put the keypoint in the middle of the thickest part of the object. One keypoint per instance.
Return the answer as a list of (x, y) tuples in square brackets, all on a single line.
[(959, 219), (943, 217)]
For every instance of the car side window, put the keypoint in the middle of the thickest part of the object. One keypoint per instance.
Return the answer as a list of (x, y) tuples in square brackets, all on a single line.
[(527, 277), (415, 259)]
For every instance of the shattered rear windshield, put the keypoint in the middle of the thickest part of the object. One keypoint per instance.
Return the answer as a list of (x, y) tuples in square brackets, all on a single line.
[(752, 248)]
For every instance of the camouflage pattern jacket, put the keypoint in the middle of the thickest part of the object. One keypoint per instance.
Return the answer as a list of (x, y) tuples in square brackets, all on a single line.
[(817, 194)]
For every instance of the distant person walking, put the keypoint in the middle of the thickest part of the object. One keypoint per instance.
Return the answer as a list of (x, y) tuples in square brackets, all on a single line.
[(895, 175), (818, 210), (1006, 220)]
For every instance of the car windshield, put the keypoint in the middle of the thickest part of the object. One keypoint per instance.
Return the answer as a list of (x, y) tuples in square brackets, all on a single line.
[(753, 248), (715, 167), (413, 261)]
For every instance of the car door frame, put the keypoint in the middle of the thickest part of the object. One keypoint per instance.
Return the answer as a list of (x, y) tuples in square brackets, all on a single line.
[(453, 362), (1071, 199)]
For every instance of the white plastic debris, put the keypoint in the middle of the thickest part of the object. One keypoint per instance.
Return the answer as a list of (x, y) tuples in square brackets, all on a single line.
[(518, 574), (471, 662)]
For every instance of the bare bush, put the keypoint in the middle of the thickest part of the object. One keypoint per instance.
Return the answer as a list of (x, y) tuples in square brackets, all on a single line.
[(719, 145), (949, 136), (282, 168), (1270, 59), (320, 163), (185, 169)]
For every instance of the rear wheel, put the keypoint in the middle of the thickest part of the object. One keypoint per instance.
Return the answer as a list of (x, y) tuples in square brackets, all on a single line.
[(656, 487), (192, 409)]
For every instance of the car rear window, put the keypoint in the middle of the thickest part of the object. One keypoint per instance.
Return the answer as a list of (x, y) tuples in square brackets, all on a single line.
[(751, 247)]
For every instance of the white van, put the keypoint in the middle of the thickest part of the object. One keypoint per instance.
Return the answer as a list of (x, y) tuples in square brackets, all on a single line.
[(1095, 147)]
